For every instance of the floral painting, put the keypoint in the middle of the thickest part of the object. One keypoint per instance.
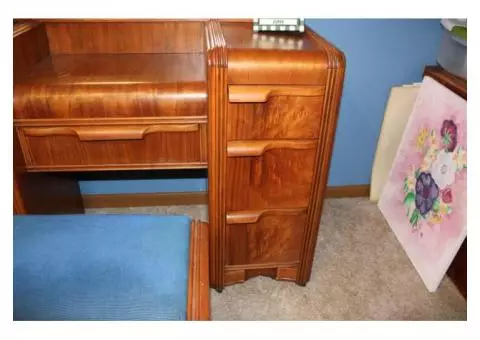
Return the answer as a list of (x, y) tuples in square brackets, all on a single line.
[(424, 200)]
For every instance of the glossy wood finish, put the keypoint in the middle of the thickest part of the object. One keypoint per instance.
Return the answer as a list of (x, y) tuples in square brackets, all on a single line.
[(160, 146), (42, 193), (273, 58), (275, 271), (30, 46), (334, 80), (217, 106), (280, 117), (198, 299), (106, 37), (259, 110), (261, 93), (458, 269), (103, 133), (110, 86), (271, 236), (259, 147), (37, 193), (279, 178), (283, 98), (116, 110)]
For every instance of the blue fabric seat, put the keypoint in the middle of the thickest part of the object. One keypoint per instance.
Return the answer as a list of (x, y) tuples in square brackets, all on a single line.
[(100, 267)]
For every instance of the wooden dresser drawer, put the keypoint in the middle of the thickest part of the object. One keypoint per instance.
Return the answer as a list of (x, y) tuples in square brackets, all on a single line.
[(115, 147), (274, 112), (268, 236), (269, 174)]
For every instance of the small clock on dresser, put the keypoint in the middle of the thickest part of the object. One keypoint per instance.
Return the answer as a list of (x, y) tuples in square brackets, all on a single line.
[(279, 25)]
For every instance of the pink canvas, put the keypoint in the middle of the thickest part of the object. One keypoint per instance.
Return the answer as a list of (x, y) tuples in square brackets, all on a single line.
[(425, 198)]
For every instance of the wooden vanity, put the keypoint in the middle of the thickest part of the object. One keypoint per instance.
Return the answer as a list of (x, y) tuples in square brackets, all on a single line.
[(258, 110)]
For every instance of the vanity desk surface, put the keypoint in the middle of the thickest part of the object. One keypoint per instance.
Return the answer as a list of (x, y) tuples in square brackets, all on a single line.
[(257, 110)]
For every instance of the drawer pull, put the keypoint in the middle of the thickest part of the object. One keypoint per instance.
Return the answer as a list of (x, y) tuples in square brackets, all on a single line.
[(244, 217), (258, 148), (261, 93), (104, 133)]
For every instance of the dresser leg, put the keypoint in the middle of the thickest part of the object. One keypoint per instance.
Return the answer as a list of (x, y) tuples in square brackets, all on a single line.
[(301, 283), (45, 193)]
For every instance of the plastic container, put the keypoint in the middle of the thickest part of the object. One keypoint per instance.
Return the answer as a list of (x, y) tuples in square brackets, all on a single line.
[(452, 55)]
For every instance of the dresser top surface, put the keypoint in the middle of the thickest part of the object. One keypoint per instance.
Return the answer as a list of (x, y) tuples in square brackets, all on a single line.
[(119, 69), (241, 36)]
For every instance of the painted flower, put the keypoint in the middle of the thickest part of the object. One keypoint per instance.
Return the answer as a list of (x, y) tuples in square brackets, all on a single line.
[(446, 195), (443, 169), (434, 218), (410, 179), (429, 158), (460, 158), (449, 135), (426, 192), (432, 140), (422, 137), (410, 183), (443, 208)]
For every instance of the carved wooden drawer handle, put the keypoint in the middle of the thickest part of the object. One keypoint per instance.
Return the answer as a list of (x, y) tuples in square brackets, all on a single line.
[(261, 93), (104, 133), (243, 217), (258, 148)]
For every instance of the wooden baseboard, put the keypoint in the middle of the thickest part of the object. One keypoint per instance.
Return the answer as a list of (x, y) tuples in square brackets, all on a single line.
[(348, 191), (189, 198)]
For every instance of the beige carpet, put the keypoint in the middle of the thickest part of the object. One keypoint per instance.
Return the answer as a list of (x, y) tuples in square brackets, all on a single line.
[(360, 272)]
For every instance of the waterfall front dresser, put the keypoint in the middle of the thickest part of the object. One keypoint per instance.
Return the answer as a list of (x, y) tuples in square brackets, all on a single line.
[(258, 110)]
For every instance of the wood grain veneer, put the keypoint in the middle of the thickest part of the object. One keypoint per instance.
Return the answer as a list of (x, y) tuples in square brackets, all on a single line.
[(37, 193), (30, 46), (279, 178), (217, 102), (272, 139), (106, 37), (273, 58), (118, 85), (198, 299), (103, 133), (160, 146), (279, 117), (259, 110), (261, 93), (268, 236)]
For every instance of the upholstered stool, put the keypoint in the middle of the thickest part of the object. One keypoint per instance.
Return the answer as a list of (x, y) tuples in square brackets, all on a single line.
[(110, 267)]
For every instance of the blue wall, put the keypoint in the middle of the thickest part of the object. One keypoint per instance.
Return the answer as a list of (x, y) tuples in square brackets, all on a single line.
[(380, 54)]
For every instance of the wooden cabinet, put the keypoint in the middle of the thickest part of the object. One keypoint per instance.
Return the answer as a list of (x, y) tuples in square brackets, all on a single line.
[(269, 174), (258, 110), (265, 236), (273, 105), (90, 147), (274, 113)]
